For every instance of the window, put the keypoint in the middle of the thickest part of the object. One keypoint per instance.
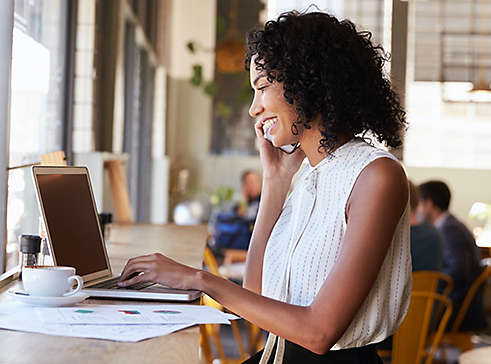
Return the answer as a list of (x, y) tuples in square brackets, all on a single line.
[(366, 14), (451, 47), (139, 80), (37, 106)]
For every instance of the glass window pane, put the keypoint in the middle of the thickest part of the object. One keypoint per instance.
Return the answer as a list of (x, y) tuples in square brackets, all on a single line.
[(22, 211), (36, 112), (36, 124)]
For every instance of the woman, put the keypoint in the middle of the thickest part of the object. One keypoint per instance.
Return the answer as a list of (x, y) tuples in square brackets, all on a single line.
[(328, 268)]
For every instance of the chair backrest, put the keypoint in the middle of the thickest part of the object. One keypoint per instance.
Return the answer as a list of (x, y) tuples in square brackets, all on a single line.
[(210, 261), (119, 189), (428, 280), (409, 345), (476, 285), (207, 330), (234, 256), (57, 158)]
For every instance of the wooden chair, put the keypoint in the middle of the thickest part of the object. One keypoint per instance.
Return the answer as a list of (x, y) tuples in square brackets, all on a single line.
[(119, 189), (208, 331), (427, 281), (233, 268), (462, 340), (234, 256), (410, 340), (57, 158)]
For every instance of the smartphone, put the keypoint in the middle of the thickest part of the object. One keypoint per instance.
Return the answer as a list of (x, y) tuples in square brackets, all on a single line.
[(288, 148)]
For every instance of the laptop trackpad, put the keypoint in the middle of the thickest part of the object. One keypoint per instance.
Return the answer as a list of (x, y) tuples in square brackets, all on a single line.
[(158, 288)]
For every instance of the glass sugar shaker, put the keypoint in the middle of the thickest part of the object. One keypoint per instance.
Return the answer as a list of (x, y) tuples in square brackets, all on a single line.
[(30, 246)]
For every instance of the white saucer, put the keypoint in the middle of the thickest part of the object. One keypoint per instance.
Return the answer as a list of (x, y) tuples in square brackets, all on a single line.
[(22, 296)]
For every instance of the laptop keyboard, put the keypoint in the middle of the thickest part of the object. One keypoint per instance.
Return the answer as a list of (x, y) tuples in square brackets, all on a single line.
[(113, 284)]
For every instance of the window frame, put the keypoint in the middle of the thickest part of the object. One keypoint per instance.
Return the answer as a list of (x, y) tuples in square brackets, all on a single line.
[(6, 36), (140, 65), (69, 77)]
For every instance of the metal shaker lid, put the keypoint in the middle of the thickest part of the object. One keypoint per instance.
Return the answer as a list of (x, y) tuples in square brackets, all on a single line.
[(30, 243)]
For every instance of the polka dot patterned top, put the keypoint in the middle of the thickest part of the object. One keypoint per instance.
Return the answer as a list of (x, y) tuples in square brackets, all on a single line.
[(306, 241)]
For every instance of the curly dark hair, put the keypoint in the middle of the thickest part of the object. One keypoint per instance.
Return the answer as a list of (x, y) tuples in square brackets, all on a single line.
[(328, 68)]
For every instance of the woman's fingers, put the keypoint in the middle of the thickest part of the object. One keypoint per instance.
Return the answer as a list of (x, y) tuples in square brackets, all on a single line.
[(132, 268), (143, 277), (258, 127), (142, 258)]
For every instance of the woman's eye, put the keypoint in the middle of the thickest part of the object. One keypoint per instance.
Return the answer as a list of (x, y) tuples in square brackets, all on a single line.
[(261, 88)]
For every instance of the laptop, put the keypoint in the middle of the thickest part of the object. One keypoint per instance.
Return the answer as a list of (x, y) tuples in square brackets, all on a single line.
[(75, 239)]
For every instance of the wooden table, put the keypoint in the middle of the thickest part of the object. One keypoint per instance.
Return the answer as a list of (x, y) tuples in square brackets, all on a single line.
[(184, 244)]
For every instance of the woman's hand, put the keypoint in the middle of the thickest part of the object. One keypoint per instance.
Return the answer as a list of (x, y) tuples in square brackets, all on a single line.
[(274, 161), (159, 269)]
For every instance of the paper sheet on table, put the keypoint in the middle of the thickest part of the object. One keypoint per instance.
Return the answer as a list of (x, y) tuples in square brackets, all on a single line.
[(124, 333), (19, 317), (14, 316), (132, 315)]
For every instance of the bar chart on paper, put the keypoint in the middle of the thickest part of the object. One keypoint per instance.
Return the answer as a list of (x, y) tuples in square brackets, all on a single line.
[(133, 315)]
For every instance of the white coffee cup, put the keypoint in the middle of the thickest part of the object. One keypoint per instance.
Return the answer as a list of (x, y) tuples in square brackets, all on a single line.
[(50, 281)]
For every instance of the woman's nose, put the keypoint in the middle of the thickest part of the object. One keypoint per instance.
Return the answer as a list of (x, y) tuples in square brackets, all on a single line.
[(256, 108)]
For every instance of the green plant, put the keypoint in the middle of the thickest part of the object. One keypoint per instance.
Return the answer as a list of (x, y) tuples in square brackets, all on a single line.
[(209, 88), (221, 195)]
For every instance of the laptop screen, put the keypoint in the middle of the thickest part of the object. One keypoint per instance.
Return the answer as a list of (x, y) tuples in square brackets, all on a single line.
[(72, 222)]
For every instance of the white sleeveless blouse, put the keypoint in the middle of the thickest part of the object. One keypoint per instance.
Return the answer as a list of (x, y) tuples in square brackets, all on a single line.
[(306, 241)]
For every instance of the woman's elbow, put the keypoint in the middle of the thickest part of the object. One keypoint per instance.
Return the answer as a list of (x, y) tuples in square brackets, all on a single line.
[(319, 342)]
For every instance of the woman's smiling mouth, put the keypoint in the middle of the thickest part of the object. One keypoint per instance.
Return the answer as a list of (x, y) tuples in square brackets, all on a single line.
[(269, 125)]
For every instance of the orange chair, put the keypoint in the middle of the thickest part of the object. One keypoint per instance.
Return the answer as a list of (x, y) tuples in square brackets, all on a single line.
[(462, 340), (234, 255), (410, 340), (211, 330), (427, 281)]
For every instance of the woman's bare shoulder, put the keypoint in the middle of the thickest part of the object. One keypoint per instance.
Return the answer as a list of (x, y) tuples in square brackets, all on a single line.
[(382, 180)]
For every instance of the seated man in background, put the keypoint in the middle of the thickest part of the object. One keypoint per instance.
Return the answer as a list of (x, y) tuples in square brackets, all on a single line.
[(460, 253), (251, 193), (426, 242), (233, 229)]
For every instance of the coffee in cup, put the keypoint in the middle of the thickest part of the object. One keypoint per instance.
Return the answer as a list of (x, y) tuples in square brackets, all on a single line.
[(50, 281)]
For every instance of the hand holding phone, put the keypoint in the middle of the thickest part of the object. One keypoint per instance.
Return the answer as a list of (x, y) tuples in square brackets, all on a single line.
[(288, 148)]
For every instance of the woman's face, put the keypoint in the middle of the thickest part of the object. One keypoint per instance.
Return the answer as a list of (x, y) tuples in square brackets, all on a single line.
[(269, 103)]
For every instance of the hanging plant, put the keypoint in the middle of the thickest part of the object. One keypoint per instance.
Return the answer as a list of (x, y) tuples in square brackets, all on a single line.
[(209, 88)]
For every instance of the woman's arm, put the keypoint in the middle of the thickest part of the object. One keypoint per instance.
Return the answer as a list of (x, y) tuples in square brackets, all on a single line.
[(273, 195), (375, 206), (279, 169)]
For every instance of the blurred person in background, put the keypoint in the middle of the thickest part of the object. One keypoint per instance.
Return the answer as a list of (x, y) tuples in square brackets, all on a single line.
[(251, 194), (426, 241), (460, 253), (233, 228)]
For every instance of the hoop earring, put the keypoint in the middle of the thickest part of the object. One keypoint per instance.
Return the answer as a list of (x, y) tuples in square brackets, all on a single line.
[(294, 129)]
